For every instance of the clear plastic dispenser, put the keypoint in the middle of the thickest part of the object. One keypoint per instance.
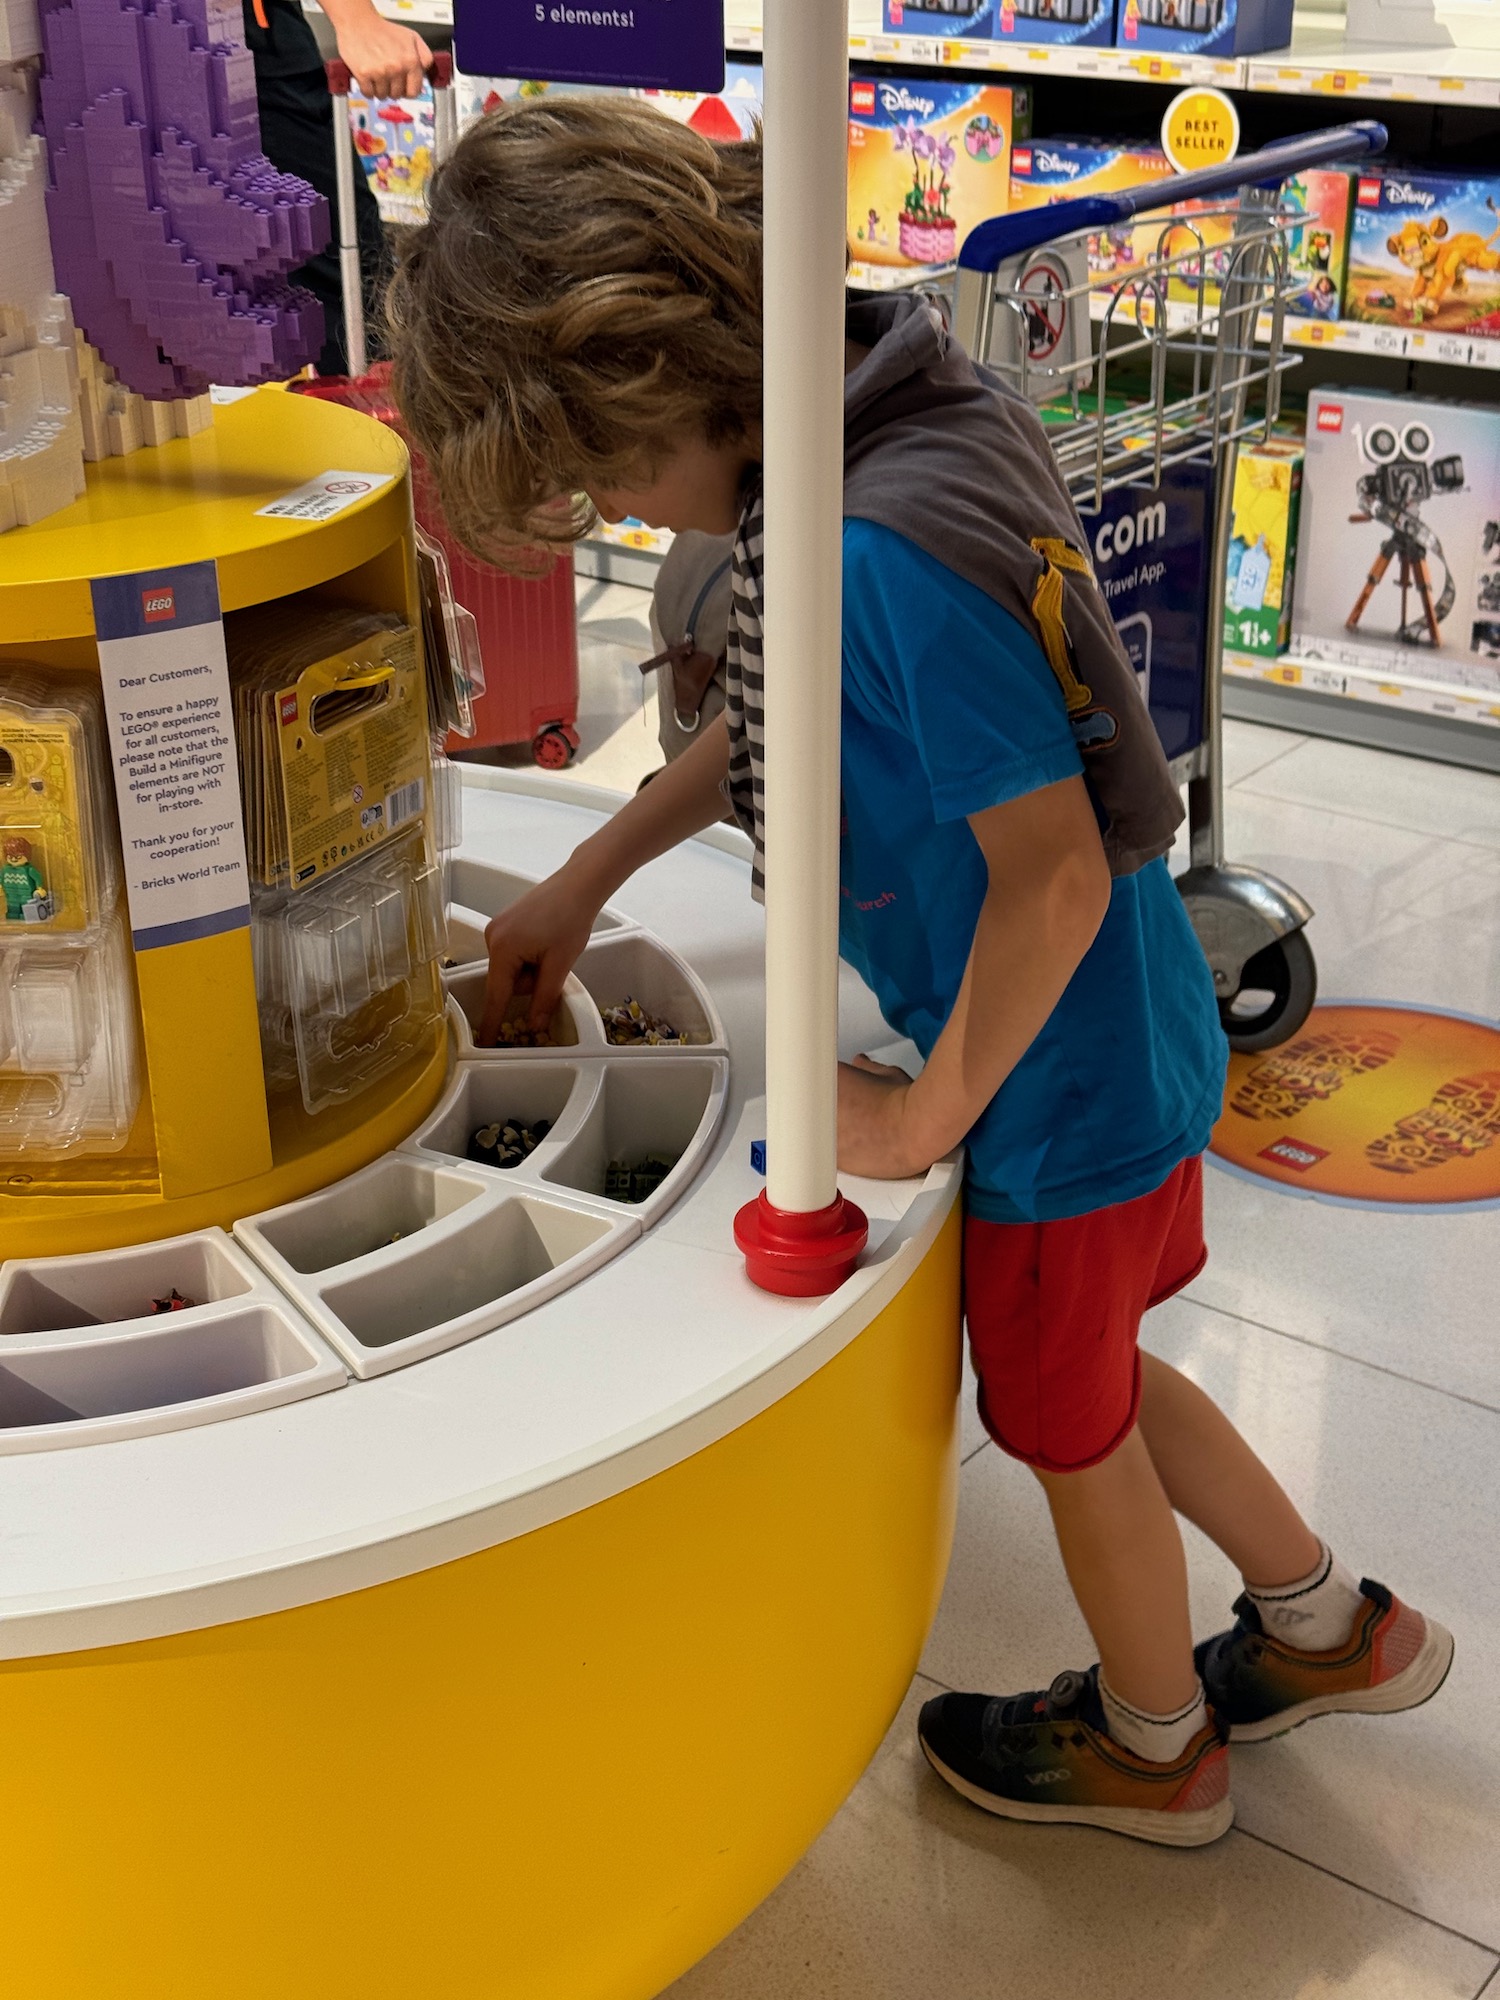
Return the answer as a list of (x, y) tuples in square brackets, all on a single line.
[(69, 1023)]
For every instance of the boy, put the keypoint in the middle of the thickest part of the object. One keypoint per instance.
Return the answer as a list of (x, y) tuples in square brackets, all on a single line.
[(581, 316)]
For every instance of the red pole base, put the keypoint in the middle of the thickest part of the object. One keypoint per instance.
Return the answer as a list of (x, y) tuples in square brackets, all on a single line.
[(800, 1256)]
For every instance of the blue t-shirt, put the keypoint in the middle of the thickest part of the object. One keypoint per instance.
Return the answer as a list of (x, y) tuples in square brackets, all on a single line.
[(950, 707)]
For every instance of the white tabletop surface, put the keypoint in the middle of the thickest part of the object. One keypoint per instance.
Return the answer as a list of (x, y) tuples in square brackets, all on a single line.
[(665, 1349)]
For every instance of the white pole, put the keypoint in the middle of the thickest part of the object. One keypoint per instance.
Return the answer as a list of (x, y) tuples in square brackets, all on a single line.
[(806, 124)]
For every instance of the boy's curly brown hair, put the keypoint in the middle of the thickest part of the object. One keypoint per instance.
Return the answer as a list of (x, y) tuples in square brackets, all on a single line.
[(585, 292)]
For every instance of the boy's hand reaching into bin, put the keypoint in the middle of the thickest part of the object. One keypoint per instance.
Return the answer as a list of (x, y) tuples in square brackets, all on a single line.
[(533, 946)]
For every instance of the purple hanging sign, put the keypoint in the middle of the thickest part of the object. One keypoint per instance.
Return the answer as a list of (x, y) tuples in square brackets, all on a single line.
[(649, 44)]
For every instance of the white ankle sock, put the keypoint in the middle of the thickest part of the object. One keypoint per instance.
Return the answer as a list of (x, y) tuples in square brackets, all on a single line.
[(1314, 1614), (1161, 1739)]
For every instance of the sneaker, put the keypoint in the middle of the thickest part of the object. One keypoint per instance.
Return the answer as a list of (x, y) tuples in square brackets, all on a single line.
[(1394, 1659), (1050, 1757)]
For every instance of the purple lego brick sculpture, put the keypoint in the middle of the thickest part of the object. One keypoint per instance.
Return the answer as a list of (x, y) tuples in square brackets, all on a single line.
[(171, 231)]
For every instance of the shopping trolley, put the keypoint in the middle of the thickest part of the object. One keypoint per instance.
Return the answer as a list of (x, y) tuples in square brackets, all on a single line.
[(1146, 421)]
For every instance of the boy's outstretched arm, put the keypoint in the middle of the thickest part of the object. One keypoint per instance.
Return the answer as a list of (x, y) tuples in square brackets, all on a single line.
[(537, 941), (1049, 888)]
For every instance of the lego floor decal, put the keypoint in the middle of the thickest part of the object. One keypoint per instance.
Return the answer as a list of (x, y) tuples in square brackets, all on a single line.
[(1382, 1106)]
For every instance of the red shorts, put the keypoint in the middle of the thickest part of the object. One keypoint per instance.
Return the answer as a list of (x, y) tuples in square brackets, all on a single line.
[(1054, 1311)]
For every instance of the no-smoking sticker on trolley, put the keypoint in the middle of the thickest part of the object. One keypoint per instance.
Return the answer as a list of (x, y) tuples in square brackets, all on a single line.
[(1201, 129)]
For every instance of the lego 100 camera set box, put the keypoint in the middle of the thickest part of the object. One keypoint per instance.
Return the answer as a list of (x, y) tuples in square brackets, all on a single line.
[(1400, 535)]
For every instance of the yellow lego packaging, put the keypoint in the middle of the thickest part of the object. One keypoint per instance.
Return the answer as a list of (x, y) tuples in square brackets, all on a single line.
[(927, 161), (331, 718), (1263, 548), (58, 857)]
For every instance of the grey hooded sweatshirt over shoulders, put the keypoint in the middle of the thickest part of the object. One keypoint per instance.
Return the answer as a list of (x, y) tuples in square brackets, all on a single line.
[(922, 419)]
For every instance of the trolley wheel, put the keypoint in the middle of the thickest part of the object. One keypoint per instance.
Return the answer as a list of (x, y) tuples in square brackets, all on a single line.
[(555, 747), (1277, 989)]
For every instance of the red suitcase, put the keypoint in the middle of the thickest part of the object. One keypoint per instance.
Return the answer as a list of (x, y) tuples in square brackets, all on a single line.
[(528, 626)]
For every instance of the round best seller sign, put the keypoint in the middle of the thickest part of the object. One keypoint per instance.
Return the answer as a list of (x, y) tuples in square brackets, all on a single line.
[(1201, 129)]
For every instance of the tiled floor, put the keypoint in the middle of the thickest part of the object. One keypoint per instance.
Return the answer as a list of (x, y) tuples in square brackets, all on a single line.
[(1360, 1351)]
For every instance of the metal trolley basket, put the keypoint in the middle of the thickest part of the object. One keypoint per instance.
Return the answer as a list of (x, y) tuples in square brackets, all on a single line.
[(1146, 423)]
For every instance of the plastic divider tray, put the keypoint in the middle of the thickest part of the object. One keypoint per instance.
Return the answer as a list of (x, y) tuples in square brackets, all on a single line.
[(576, 1026), (472, 1253), (635, 966), (597, 1112), (83, 1359)]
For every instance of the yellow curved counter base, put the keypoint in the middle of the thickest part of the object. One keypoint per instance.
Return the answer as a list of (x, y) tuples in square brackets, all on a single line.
[(559, 1769)]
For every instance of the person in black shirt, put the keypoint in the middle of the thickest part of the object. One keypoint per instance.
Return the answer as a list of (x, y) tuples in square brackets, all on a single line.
[(296, 131)]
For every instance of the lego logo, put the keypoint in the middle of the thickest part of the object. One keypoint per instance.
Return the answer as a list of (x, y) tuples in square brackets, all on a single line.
[(158, 605), (1294, 1153), (288, 710), (1020, 160), (861, 97), (1330, 416), (1369, 194)]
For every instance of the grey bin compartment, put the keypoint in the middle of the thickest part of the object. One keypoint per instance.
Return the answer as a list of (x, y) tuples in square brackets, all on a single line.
[(636, 967), (465, 940), (484, 890), (353, 1218), (483, 1092), (469, 1278), (47, 1295), (574, 1025), (670, 1107), (175, 1371)]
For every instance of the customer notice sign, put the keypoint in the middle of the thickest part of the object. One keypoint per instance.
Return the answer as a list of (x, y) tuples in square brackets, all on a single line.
[(648, 44)]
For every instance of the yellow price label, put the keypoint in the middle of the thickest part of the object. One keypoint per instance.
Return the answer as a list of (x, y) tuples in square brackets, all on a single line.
[(1201, 129)]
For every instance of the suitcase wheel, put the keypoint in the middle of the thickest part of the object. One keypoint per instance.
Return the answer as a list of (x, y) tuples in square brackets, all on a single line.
[(555, 747)]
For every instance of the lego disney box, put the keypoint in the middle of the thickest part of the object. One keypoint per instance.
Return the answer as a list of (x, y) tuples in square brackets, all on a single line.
[(1399, 557), (1203, 27), (1425, 251), (927, 161), (1043, 171)]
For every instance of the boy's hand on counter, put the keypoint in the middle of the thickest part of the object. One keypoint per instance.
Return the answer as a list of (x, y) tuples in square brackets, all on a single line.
[(874, 1136), (533, 946)]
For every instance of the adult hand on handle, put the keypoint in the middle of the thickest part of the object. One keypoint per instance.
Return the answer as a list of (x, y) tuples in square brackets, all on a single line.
[(385, 60), (533, 946)]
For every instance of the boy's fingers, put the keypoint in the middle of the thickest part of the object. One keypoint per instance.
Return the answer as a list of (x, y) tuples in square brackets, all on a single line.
[(551, 977), (499, 986)]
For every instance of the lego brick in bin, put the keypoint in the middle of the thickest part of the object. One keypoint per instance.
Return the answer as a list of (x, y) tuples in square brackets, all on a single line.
[(1424, 251), (1400, 534), (1150, 548)]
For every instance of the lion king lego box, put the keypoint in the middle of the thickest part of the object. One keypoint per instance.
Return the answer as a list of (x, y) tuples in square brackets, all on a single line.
[(927, 161), (1424, 251), (1203, 27), (1398, 563)]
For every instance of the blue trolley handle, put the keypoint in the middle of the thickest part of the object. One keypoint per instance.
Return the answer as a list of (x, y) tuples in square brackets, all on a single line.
[(989, 244)]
